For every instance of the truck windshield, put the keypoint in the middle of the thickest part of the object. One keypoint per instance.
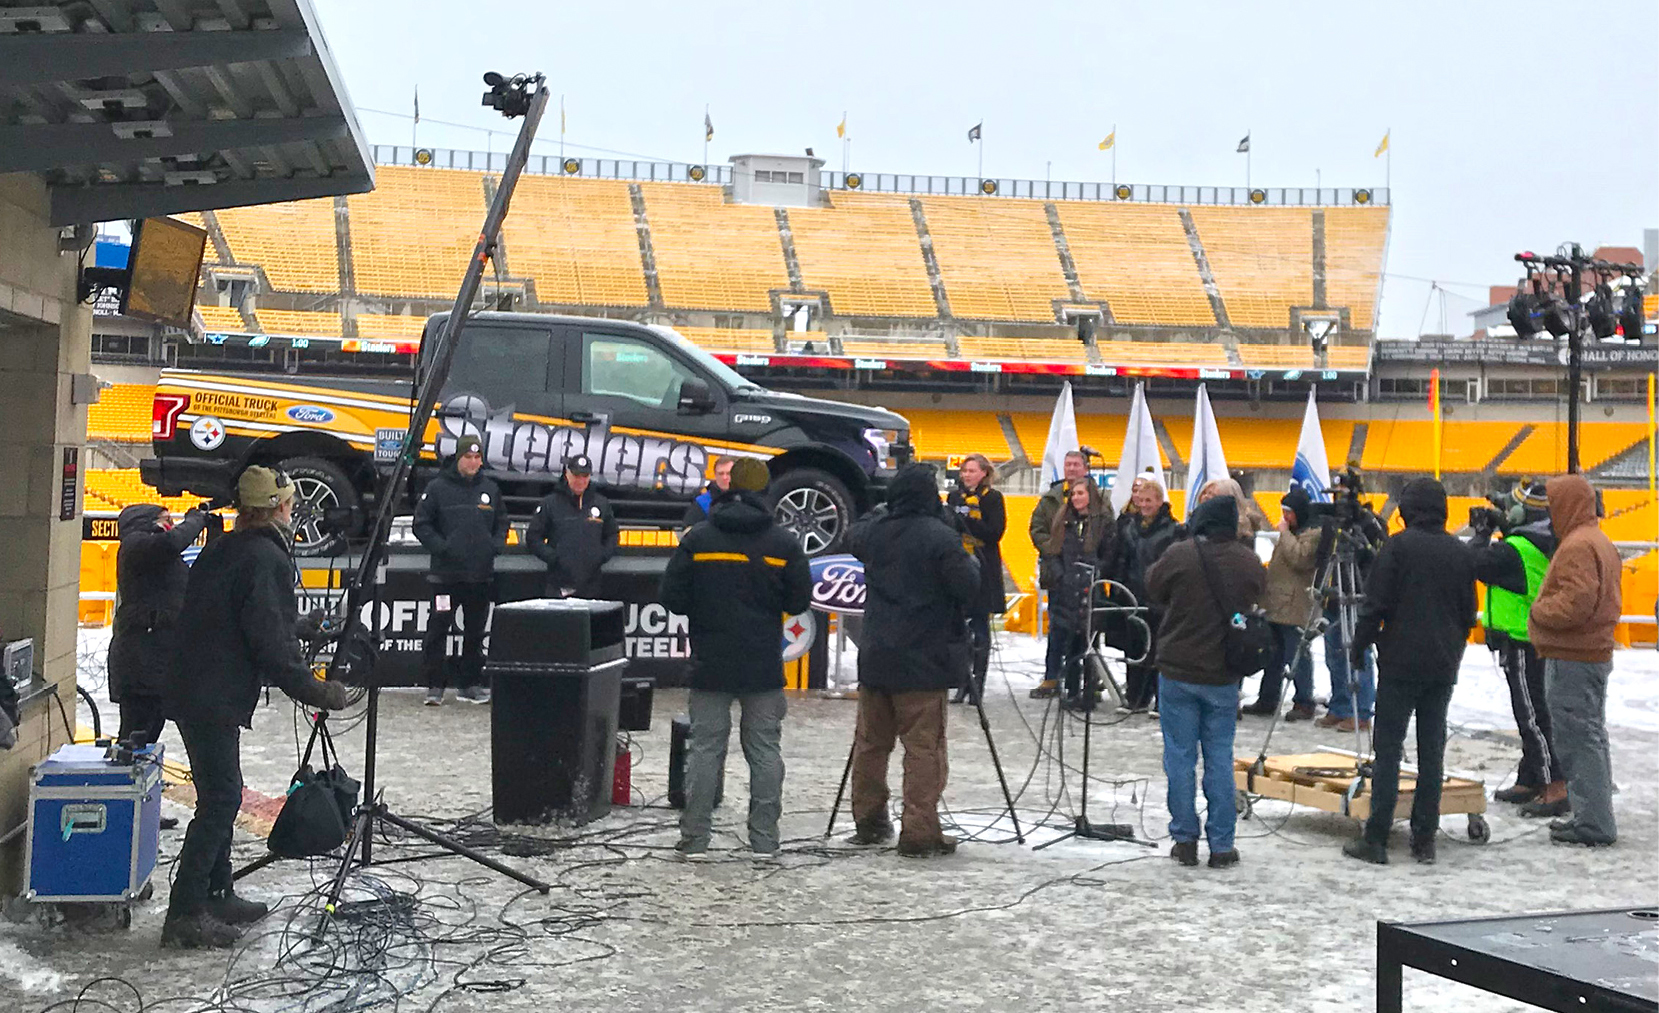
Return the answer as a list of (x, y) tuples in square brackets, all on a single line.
[(733, 380)]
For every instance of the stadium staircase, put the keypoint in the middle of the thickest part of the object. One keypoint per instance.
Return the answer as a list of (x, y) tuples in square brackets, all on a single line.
[(934, 279), (1217, 306), (1067, 266), (1508, 449)]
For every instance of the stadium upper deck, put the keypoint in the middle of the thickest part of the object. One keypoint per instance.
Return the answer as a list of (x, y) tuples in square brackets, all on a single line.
[(979, 277)]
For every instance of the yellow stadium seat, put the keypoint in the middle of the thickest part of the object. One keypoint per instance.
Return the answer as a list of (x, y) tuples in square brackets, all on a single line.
[(577, 239), (1262, 260), (1024, 349), (924, 349), (1103, 432), (1408, 445), (1544, 451), (293, 242), (221, 318), (399, 327), (731, 339), (299, 323), (415, 233), (997, 258), (1355, 240), (122, 413), (115, 488), (710, 254), (1632, 516), (1136, 257), (939, 434), (1263, 443), (1162, 353), (865, 253)]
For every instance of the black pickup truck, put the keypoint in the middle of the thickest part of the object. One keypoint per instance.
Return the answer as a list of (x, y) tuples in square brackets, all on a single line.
[(652, 410)]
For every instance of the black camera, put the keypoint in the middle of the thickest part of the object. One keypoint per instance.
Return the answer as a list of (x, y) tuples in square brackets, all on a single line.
[(1485, 519), (510, 96)]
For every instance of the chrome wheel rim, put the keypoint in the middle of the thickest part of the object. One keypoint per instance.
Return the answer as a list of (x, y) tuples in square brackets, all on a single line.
[(311, 497), (813, 517)]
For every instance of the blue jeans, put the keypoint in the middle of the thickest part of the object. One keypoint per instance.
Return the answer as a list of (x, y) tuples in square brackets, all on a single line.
[(1285, 640), (1336, 663), (1194, 717)]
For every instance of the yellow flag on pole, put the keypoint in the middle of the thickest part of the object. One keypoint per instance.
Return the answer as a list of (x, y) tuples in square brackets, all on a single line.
[(841, 128), (1111, 139), (1381, 147)]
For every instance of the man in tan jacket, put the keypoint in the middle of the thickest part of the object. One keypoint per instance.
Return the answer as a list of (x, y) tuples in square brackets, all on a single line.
[(1571, 626)]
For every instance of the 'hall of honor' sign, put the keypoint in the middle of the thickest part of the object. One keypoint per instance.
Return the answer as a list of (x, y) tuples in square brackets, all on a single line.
[(838, 584)]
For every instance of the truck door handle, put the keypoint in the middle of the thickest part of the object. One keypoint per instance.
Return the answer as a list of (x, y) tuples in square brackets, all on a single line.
[(586, 418)]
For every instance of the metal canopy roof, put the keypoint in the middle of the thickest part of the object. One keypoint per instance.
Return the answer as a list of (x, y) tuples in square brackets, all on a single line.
[(135, 108)]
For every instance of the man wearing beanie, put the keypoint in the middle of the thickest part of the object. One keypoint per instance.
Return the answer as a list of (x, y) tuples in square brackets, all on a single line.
[(1288, 607), (573, 531), (462, 522), (734, 578), (235, 634), (1419, 607), (1571, 625)]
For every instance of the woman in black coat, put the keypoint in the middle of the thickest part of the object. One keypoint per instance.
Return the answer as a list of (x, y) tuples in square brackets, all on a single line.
[(980, 516), (1145, 529), (150, 575), (1080, 545)]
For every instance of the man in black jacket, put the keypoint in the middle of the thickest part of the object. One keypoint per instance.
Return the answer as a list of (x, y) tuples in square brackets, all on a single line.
[(235, 632), (734, 579), (698, 511), (919, 582), (1198, 586), (150, 574), (462, 522), (573, 532), (1419, 607)]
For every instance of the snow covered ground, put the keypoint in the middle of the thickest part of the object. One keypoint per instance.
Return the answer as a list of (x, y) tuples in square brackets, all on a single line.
[(1081, 924)]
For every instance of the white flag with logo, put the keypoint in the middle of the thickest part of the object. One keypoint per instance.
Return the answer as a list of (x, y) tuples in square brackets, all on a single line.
[(1062, 437), (1311, 470), (1140, 452), (1206, 462)]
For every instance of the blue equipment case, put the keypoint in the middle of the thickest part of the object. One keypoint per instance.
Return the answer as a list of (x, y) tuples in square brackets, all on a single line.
[(94, 826)]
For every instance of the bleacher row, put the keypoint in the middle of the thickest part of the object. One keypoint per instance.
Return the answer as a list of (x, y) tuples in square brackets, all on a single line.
[(579, 240), (122, 414)]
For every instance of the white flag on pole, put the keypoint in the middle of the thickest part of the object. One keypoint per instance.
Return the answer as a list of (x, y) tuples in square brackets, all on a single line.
[(1311, 470), (1062, 437), (1140, 452), (1206, 462)]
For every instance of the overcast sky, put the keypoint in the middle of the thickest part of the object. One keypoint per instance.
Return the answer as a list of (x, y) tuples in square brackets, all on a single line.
[(1488, 157)]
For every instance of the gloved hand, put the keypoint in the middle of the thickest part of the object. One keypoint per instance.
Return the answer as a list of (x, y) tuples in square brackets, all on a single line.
[(323, 695)]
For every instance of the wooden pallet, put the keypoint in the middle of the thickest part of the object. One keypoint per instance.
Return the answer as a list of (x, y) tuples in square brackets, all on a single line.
[(1309, 779)]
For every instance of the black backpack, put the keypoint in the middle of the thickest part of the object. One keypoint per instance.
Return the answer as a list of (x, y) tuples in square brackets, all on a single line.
[(318, 810), (1246, 636)]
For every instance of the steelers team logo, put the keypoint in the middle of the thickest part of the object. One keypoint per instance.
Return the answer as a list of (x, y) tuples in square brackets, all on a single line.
[(207, 433)]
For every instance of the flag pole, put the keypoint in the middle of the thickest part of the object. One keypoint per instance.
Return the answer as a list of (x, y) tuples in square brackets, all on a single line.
[(561, 132), (1434, 404), (1114, 157), (1652, 446), (1249, 134), (981, 143), (846, 145), (1388, 166), (414, 129)]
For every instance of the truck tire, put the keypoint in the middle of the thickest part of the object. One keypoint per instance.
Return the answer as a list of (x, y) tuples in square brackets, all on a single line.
[(816, 506), (319, 485)]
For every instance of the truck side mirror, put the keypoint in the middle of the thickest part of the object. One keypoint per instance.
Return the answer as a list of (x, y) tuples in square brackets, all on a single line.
[(695, 397)]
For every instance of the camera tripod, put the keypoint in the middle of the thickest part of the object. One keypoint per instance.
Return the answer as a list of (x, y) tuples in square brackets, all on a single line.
[(1097, 682), (977, 697), (1336, 581)]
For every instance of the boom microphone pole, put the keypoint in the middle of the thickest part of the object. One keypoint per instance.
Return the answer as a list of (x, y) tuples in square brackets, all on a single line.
[(526, 96)]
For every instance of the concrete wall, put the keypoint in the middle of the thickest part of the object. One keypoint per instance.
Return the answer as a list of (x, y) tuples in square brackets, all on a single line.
[(45, 338)]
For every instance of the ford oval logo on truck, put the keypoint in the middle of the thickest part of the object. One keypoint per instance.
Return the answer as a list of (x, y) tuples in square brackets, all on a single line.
[(838, 584), (310, 413)]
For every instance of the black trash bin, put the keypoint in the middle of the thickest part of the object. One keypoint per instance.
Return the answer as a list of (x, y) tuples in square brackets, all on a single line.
[(556, 668)]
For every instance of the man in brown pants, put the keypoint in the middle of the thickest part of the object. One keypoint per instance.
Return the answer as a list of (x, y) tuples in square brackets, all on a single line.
[(918, 582)]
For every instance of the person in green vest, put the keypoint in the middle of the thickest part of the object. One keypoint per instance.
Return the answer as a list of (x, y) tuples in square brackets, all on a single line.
[(1512, 568)]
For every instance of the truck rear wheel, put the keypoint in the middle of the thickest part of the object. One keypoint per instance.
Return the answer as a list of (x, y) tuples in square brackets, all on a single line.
[(816, 506), (319, 486)]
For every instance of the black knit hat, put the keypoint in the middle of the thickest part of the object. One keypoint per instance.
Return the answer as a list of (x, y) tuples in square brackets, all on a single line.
[(1299, 503)]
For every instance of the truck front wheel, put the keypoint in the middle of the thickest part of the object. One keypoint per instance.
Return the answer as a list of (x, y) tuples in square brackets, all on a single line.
[(816, 506), (321, 486)]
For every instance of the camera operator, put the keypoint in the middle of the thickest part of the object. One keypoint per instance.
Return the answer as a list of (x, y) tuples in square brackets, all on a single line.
[(1512, 568), (235, 632), (150, 574), (1079, 544), (574, 531), (982, 519), (698, 511), (1144, 530), (1290, 572), (734, 579), (1571, 624), (1200, 584), (915, 646), (1419, 608), (462, 522)]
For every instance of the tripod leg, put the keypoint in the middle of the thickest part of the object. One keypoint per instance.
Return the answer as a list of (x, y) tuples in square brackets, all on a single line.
[(465, 852), (359, 830), (256, 865), (841, 792), (996, 761)]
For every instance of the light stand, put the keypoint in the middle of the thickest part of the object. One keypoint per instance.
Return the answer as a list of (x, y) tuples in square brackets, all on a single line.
[(1096, 676), (518, 96)]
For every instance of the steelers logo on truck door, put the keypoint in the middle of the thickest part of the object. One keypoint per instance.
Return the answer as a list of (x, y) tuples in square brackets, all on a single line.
[(207, 433)]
